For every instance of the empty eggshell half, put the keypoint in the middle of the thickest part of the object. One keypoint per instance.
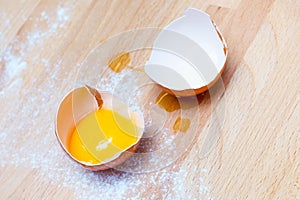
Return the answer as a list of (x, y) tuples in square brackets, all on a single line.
[(78, 104), (189, 55)]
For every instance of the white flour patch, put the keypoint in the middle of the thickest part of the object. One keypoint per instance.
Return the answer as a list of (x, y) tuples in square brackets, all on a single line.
[(62, 14), (14, 65), (5, 19), (15, 57)]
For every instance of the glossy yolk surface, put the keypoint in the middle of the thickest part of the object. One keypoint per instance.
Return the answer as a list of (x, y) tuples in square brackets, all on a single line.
[(77, 149), (101, 136)]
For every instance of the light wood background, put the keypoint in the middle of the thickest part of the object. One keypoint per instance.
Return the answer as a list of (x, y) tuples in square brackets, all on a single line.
[(258, 154)]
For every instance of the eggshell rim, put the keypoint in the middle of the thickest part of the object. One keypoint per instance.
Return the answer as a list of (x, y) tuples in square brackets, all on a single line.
[(194, 91)]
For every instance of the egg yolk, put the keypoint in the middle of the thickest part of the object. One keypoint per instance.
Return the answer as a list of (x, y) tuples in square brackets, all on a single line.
[(78, 150), (181, 124), (119, 62), (102, 135), (168, 102)]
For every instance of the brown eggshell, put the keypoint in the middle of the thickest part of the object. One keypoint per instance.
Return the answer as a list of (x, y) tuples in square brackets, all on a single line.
[(79, 103)]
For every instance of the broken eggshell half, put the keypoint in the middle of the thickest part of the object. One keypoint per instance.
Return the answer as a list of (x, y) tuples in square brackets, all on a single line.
[(78, 104), (189, 55)]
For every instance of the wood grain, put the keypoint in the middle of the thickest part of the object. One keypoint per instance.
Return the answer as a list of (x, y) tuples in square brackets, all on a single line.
[(257, 152)]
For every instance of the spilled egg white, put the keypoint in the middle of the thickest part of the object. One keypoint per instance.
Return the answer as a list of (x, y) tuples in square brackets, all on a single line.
[(189, 55), (78, 104)]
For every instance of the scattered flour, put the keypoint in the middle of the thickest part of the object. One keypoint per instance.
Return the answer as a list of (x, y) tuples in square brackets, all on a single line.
[(5, 19), (14, 65), (47, 156), (14, 56)]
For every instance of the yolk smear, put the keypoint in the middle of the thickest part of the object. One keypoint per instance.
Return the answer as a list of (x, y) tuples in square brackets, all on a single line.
[(119, 62), (181, 124), (77, 149), (105, 134), (167, 101)]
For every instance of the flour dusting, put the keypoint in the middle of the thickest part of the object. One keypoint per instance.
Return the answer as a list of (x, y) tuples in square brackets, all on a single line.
[(40, 149)]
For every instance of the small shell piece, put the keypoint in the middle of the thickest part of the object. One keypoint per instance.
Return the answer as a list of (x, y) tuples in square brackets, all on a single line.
[(189, 54), (78, 104)]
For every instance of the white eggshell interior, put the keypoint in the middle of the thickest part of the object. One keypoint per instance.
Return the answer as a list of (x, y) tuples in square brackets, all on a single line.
[(187, 54)]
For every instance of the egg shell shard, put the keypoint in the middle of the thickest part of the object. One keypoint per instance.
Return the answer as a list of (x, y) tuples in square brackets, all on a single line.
[(189, 55), (79, 103)]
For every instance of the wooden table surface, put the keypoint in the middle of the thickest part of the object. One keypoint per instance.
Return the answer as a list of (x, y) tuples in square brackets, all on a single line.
[(257, 155)]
